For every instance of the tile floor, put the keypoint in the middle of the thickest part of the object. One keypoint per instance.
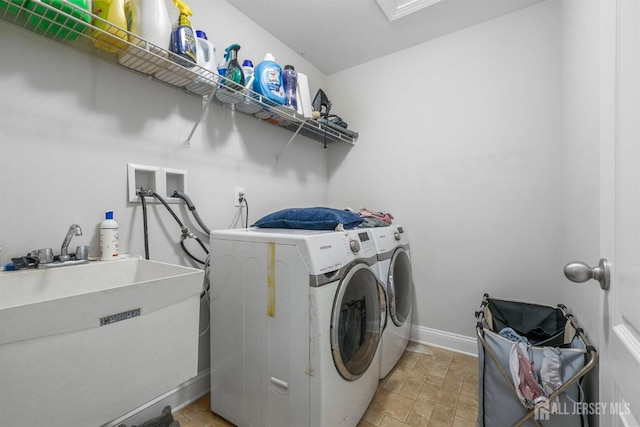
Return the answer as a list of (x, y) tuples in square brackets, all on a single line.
[(426, 389)]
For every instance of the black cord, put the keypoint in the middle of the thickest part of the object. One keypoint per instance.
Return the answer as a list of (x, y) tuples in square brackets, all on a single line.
[(204, 248), (184, 248), (326, 116), (146, 228), (246, 205)]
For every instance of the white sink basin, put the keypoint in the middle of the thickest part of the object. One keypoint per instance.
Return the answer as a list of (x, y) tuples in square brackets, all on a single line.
[(85, 344), (50, 301)]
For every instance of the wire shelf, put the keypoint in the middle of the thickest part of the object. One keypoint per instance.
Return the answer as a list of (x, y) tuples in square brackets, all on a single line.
[(78, 29)]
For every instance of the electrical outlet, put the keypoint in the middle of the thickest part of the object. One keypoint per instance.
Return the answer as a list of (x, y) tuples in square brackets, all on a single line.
[(236, 195)]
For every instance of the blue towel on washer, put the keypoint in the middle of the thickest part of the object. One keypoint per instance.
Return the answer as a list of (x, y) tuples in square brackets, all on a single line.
[(317, 218)]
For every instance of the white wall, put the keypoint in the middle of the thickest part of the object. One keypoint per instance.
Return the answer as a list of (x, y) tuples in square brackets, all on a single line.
[(460, 138), (70, 123)]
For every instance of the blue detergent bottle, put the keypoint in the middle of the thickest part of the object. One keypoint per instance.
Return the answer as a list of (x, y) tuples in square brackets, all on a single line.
[(268, 80)]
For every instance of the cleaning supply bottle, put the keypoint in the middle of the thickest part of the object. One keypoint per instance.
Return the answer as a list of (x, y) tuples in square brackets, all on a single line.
[(206, 53), (64, 19), (247, 70), (222, 66), (12, 9), (290, 80), (234, 72), (112, 21), (147, 21), (223, 95), (109, 247), (268, 80), (248, 104), (183, 38)]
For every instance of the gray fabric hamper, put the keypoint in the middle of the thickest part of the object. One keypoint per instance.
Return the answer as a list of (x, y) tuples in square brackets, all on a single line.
[(498, 403)]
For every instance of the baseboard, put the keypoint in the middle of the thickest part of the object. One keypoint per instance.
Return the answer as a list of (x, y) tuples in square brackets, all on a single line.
[(443, 339), (179, 397)]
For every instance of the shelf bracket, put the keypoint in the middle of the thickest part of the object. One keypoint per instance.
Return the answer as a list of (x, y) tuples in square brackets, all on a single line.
[(206, 101), (288, 143)]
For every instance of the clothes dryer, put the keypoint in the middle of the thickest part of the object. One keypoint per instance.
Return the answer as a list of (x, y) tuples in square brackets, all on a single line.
[(394, 270), (296, 319)]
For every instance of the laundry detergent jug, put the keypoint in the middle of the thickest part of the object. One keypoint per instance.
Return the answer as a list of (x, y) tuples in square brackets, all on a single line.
[(268, 80)]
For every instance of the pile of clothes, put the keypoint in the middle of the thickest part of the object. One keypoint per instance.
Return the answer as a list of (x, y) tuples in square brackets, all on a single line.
[(375, 219), (530, 390)]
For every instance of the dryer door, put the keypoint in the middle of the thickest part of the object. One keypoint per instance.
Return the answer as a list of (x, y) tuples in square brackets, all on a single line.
[(400, 287), (358, 310)]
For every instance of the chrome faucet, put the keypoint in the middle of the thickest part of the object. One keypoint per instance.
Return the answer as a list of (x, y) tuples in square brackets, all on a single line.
[(74, 230)]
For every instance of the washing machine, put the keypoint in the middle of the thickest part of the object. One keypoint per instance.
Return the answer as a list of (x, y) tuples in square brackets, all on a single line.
[(394, 270), (296, 321)]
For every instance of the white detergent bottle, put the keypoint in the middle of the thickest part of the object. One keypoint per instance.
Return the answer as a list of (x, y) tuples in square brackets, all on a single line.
[(109, 246), (148, 21), (206, 58), (247, 69), (248, 104), (206, 52)]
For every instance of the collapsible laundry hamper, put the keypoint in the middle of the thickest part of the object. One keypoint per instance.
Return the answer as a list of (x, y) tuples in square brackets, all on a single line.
[(543, 326)]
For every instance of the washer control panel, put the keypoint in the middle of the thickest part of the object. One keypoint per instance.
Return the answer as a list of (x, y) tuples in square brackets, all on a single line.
[(361, 243)]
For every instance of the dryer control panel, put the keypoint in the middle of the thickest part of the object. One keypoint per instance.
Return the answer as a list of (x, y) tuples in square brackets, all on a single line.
[(400, 235)]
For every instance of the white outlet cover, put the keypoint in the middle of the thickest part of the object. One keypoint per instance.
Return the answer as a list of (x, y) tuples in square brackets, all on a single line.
[(236, 195)]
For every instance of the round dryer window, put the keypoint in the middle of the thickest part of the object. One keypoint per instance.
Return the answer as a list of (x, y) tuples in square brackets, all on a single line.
[(356, 321), (400, 287)]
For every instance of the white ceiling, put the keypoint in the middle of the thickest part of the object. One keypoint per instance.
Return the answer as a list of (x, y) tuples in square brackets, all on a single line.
[(338, 34)]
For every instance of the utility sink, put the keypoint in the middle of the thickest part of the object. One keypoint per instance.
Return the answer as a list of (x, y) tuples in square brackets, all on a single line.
[(45, 302), (85, 344)]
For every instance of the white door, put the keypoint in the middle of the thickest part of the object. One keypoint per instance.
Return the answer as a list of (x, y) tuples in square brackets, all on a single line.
[(620, 352)]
